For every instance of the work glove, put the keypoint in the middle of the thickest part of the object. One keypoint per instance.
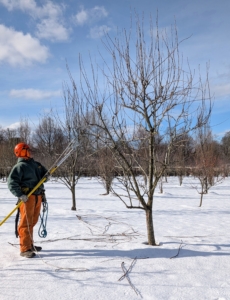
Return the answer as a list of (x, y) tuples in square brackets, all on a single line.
[(23, 198), (25, 190)]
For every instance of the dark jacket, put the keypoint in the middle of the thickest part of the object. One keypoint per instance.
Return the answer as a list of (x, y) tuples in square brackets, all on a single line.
[(25, 174)]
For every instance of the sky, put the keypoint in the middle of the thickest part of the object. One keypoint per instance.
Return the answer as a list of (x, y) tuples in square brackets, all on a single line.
[(38, 38), (84, 251)]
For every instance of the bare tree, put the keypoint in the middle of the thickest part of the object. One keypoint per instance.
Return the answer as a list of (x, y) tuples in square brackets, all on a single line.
[(8, 140), (24, 131), (146, 85), (207, 167), (49, 140), (73, 126), (225, 142), (105, 168), (183, 153)]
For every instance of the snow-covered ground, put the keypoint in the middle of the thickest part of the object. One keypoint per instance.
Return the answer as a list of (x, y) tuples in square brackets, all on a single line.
[(87, 251)]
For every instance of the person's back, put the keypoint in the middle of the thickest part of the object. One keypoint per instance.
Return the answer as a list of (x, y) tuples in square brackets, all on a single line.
[(26, 173)]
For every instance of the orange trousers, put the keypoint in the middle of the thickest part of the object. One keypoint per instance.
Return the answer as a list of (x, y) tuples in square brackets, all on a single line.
[(29, 214)]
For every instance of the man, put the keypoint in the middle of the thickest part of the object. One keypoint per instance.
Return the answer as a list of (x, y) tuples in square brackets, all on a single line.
[(23, 177)]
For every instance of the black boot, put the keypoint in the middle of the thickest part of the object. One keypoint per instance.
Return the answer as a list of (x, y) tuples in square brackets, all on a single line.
[(28, 254), (36, 248)]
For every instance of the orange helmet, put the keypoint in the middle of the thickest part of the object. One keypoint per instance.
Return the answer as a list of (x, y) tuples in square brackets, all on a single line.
[(21, 150)]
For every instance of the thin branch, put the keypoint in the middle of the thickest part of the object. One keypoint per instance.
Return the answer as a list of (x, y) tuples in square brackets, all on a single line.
[(181, 245), (126, 275)]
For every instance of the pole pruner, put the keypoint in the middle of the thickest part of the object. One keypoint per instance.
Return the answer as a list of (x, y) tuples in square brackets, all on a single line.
[(65, 154)]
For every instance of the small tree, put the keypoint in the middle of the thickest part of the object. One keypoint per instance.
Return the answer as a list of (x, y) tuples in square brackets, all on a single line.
[(225, 142), (9, 138), (146, 86), (182, 155), (24, 131), (207, 164), (105, 168), (74, 126), (49, 141)]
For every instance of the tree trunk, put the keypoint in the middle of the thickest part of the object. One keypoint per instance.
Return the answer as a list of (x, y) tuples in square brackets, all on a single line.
[(73, 200), (201, 198), (108, 185), (206, 185), (161, 185), (166, 176), (150, 229), (180, 176), (73, 193)]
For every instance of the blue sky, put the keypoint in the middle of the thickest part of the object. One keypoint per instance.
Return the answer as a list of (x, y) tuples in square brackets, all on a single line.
[(37, 37)]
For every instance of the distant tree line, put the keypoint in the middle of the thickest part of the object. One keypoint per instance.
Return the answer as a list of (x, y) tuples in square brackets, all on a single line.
[(201, 155)]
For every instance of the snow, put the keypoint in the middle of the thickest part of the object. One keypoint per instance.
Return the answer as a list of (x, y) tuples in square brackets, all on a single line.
[(85, 250)]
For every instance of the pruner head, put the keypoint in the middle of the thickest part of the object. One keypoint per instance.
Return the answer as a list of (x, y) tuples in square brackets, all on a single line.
[(73, 145)]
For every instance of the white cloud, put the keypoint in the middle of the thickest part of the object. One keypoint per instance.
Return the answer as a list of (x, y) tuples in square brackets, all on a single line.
[(222, 90), (98, 12), (19, 4), (51, 29), (18, 48), (33, 94), (49, 9), (85, 16), (14, 126), (50, 17), (82, 17), (99, 31)]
